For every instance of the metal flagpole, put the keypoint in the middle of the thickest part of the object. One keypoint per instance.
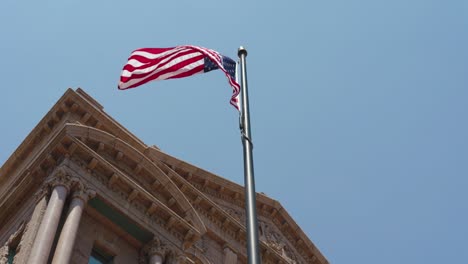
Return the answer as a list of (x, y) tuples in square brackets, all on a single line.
[(250, 197)]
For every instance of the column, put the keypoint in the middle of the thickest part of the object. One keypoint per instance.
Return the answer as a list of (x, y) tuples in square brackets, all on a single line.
[(46, 233), (64, 249), (155, 259), (156, 251)]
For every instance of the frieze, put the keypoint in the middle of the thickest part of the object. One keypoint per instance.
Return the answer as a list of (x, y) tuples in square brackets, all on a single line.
[(235, 236), (273, 238), (234, 212), (217, 194)]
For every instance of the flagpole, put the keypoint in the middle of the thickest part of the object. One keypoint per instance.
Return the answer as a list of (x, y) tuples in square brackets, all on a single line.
[(250, 195)]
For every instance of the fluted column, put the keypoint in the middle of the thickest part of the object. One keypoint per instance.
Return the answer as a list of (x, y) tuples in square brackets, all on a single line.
[(60, 184), (67, 238)]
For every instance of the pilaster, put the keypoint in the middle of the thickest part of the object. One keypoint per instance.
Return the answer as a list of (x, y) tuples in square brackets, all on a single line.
[(31, 229)]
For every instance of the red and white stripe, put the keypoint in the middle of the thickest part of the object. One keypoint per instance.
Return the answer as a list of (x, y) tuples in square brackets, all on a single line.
[(149, 64)]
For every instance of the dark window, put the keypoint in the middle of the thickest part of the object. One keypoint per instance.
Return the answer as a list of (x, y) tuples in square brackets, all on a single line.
[(100, 257)]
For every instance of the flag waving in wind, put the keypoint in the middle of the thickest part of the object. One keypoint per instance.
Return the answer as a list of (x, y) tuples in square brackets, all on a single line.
[(149, 64)]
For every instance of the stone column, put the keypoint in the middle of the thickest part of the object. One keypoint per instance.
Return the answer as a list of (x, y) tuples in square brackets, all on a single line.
[(155, 259), (45, 236), (156, 251), (64, 249)]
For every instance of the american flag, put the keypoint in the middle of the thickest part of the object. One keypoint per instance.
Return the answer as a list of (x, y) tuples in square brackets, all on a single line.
[(149, 64)]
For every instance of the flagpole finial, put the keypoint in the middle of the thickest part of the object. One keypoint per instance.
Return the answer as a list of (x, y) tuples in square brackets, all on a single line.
[(241, 51)]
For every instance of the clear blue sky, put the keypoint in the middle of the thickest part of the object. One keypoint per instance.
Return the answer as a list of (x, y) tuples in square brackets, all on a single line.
[(358, 108)]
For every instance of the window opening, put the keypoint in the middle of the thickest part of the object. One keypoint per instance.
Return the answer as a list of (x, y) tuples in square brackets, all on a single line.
[(100, 257)]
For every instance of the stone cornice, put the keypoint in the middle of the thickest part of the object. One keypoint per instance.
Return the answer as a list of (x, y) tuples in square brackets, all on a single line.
[(83, 108), (63, 141), (137, 191), (116, 197)]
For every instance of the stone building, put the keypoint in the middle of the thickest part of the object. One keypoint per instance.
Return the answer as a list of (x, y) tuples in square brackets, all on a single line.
[(82, 189)]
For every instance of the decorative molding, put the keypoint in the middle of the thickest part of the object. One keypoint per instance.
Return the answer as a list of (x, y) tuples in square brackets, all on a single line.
[(152, 248), (216, 194), (81, 190), (234, 212), (136, 207), (43, 191), (157, 247), (278, 242), (228, 235), (60, 177)]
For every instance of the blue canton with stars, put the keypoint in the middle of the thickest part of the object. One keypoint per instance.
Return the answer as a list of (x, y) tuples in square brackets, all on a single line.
[(228, 64)]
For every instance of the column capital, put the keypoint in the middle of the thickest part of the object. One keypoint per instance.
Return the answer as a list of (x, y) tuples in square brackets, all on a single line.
[(155, 247), (81, 190), (60, 177)]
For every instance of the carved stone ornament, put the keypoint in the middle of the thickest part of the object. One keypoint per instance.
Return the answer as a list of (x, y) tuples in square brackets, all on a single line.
[(60, 177), (157, 247), (5, 250), (276, 241), (81, 191), (43, 191), (4, 254), (234, 213), (154, 247)]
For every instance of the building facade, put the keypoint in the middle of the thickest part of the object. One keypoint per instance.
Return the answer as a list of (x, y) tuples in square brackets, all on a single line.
[(82, 189)]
